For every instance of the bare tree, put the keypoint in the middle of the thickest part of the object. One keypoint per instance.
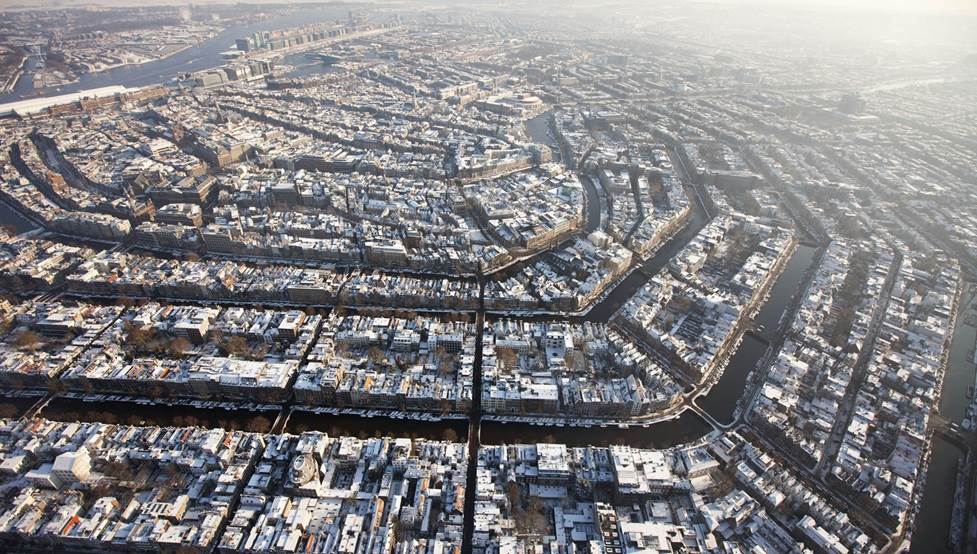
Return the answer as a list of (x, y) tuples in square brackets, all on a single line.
[(28, 340), (508, 356), (177, 347), (576, 361), (375, 354), (235, 346), (450, 435)]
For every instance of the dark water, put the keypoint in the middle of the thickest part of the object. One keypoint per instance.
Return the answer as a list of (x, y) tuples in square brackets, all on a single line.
[(16, 406), (304, 66), (722, 399), (960, 371), (637, 279), (785, 287), (69, 409), (10, 217), (593, 204), (538, 127), (206, 55), (665, 434), (685, 428), (933, 524), (350, 425)]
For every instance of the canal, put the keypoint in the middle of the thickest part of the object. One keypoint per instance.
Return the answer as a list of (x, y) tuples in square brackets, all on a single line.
[(304, 65), (932, 528), (594, 211), (630, 285), (11, 218), (687, 427), (959, 380), (786, 286), (454, 430), (128, 413), (664, 434), (723, 398), (538, 129)]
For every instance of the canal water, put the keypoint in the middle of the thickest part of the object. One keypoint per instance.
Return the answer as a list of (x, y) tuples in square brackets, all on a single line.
[(960, 373), (722, 399), (10, 217), (933, 522), (685, 428), (637, 279), (786, 286), (16, 406), (127, 413), (206, 55), (304, 66), (539, 130), (593, 204), (664, 434), (454, 430)]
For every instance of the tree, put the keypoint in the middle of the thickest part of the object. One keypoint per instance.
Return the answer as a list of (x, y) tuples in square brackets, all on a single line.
[(450, 435), (536, 516), (141, 339), (258, 424), (446, 364), (177, 347), (507, 356), (446, 360), (28, 340), (376, 355), (575, 360), (261, 351), (513, 494), (401, 529), (118, 470), (235, 346)]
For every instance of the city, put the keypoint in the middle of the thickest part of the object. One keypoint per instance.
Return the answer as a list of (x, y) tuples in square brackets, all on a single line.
[(502, 278)]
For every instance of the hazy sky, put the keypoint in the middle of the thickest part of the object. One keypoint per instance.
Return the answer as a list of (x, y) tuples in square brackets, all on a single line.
[(882, 6)]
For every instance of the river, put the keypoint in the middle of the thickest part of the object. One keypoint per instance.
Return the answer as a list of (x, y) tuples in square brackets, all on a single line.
[(206, 55)]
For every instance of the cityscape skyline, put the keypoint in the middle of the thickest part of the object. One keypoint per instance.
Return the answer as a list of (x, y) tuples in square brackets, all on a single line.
[(424, 277)]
